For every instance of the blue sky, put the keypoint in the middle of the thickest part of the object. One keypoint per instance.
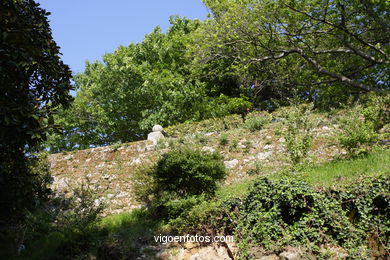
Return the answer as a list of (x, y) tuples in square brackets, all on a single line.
[(87, 29)]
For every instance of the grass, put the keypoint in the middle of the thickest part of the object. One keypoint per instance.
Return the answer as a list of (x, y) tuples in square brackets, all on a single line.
[(235, 190), (128, 226), (338, 173)]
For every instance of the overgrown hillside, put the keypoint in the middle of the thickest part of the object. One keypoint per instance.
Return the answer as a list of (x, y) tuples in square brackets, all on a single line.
[(304, 156)]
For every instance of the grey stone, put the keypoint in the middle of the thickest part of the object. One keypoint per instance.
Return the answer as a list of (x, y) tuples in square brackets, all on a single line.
[(155, 137), (231, 164), (262, 156), (208, 149), (157, 128), (290, 255)]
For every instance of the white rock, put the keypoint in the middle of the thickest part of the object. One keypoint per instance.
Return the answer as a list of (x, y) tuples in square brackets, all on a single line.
[(268, 147), (262, 156), (231, 164), (155, 137), (208, 149), (288, 255), (157, 128)]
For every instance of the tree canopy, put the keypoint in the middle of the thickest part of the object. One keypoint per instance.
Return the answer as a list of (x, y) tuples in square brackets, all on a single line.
[(137, 86), (317, 49), (248, 54), (34, 84)]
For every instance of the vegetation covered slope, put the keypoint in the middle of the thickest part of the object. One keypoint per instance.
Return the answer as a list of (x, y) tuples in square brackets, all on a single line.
[(261, 167)]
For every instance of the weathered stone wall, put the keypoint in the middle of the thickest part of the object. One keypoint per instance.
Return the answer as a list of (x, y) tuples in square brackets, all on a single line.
[(106, 169)]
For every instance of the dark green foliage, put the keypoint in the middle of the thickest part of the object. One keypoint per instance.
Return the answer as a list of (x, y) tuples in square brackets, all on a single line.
[(63, 228), (367, 204), (33, 79), (34, 84), (223, 139), (189, 172), (285, 212), (319, 50), (180, 179)]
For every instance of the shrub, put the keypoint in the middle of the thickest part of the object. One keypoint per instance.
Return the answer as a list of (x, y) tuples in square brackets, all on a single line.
[(289, 212), (208, 217), (223, 139), (189, 172), (234, 146), (178, 174), (297, 134), (255, 122), (360, 125), (248, 146), (61, 228)]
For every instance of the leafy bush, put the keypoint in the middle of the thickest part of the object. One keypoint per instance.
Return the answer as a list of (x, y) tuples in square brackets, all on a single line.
[(208, 217), (360, 126), (59, 229), (248, 146), (234, 146), (223, 139), (255, 122), (289, 212), (179, 174), (298, 136)]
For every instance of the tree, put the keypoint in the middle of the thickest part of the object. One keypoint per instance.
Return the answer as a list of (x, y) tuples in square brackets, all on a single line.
[(312, 49), (34, 84), (136, 87)]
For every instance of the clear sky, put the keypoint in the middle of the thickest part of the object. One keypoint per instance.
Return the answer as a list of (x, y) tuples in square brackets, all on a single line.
[(87, 29)]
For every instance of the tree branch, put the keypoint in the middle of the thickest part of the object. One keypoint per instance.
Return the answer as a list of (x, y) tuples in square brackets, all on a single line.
[(341, 78), (345, 30)]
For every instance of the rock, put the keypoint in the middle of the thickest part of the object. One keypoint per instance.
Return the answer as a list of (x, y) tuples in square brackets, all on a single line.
[(231, 164), (262, 156), (268, 147), (157, 128), (208, 149), (155, 137), (291, 253)]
